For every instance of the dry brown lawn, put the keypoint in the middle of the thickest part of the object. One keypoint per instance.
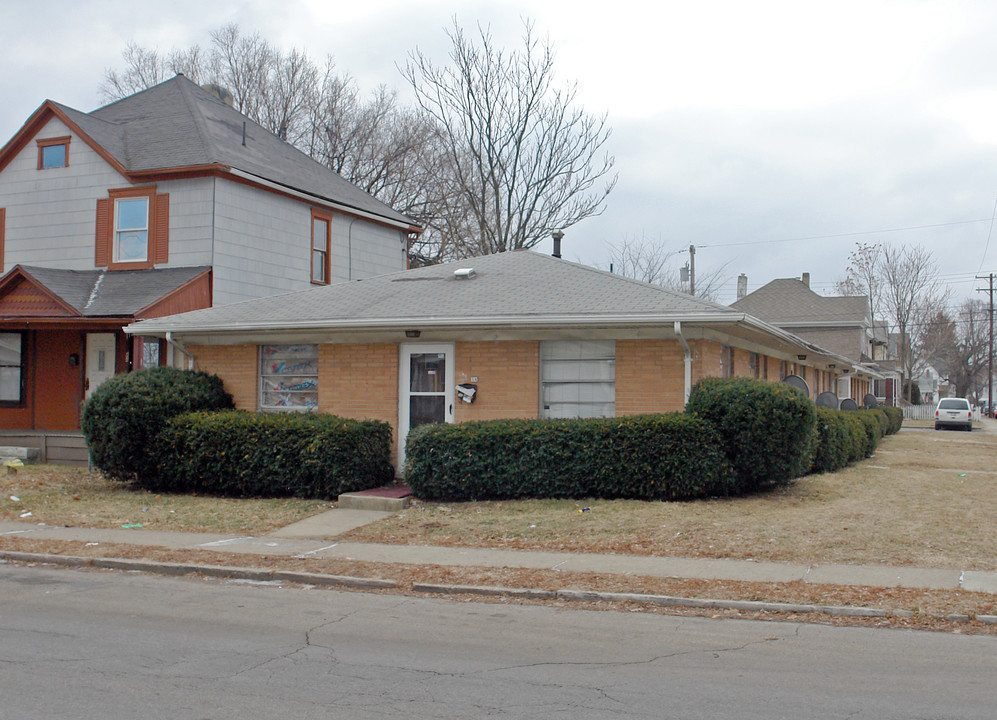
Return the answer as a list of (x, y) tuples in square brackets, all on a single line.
[(74, 497), (927, 499)]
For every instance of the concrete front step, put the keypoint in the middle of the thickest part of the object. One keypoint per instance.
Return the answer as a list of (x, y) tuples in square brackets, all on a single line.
[(27, 455), (390, 498)]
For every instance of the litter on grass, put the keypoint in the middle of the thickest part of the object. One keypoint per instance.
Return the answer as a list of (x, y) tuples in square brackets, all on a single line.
[(132, 525)]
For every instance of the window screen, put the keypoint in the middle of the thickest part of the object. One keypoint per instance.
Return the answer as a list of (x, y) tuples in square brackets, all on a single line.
[(578, 378)]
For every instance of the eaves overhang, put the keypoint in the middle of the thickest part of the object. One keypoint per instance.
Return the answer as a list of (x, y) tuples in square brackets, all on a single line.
[(322, 200)]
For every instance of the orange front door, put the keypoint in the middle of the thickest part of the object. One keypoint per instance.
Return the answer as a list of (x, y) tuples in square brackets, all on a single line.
[(57, 382)]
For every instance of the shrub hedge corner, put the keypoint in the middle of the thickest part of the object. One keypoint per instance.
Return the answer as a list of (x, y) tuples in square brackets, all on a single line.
[(123, 417), (767, 429)]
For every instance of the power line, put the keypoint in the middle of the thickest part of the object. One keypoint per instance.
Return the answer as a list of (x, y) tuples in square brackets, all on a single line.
[(843, 235), (993, 214)]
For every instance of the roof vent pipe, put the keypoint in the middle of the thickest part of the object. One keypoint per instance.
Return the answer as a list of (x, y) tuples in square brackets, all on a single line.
[(742, 285), (557, 235)]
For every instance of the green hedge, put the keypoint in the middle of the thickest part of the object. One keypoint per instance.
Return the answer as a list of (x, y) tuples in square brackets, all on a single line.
[(767, 429), (240, 454), (648, 457), (896, 417), (123, 417), (834, 442)]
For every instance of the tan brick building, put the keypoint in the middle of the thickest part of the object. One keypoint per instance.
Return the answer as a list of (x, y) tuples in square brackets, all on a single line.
[(513, 335)]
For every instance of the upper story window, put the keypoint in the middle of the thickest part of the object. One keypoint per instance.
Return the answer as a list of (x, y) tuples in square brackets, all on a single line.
[(131, 229), (133, 226), (321, 247), (53, 153)]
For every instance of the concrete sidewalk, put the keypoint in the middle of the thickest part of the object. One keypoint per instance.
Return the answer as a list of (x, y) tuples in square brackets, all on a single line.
[(314, 537)]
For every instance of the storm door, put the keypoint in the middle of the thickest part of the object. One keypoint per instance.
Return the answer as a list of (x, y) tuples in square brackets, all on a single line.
[(426, 388)]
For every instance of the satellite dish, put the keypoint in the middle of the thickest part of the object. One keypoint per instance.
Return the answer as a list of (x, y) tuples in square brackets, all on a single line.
[(849, 404), (795, 381), (870, 401), (827, 400)]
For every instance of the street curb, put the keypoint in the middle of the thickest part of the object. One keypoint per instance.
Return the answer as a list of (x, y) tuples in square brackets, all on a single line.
[(345, 581), (217, 571), (696, 603)]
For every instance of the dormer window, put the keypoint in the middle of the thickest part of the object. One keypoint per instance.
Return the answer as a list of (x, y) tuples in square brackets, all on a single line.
[(53, 153), (131, 230)]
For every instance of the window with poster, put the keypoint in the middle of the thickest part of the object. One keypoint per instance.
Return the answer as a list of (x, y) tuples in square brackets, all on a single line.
[(289, 377)]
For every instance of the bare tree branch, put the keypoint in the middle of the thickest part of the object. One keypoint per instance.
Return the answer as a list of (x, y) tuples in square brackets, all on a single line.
[(524, 159)]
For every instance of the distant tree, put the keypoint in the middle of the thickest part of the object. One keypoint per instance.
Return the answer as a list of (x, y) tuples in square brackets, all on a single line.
[(526, 160), (959, 346), (912, 295), (862, 276), (649, 261)]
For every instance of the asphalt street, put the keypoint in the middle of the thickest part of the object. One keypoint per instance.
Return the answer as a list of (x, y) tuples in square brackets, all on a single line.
[(118, 645)]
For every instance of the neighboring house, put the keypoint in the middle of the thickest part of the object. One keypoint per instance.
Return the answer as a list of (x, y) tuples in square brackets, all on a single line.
[(166, 201), (513, 335), (842, 324)]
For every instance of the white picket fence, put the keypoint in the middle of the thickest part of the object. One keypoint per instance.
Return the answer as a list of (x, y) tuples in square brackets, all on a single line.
[(919, 412), (927, 412)]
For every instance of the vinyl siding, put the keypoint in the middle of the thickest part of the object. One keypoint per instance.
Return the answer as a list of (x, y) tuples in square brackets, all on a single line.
[(262, 245)]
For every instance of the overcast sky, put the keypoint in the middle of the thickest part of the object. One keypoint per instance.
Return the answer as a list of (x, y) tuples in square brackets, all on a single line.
[(771, 135)]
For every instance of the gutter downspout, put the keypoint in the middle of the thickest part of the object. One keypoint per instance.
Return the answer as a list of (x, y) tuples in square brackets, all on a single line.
[(190, 358), (688, 361)]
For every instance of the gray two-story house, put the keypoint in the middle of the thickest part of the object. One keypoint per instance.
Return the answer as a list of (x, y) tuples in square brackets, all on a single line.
[(165, 201)]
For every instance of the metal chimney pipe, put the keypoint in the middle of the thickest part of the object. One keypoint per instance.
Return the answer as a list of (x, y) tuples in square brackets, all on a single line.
[(557, 235), (806, 279), (742, 285)]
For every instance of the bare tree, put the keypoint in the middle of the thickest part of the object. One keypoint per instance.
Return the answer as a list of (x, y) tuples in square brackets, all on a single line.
[(524, 157), (959, 346), (862, 276), (912, 296), (649, 261)]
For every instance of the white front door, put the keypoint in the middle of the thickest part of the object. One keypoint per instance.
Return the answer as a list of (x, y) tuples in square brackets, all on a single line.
[(426, 388), (100, 360)]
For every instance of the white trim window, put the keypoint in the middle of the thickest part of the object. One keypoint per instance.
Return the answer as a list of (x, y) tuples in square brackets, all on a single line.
[(578, 378), (131, 229), (11, 368), (289, 377)]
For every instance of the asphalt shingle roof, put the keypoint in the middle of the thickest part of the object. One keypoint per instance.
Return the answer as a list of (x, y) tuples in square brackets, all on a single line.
[(123, 293), (508, 288), (789, 301), (178, 124)]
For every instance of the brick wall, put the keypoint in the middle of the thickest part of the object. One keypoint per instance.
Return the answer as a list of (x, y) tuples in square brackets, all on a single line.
[(236, 365), (650, 376), (360, 382), (508, 379)]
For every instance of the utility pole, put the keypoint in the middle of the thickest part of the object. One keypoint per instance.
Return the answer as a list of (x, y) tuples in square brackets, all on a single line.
[(692, 269), (990, 349)]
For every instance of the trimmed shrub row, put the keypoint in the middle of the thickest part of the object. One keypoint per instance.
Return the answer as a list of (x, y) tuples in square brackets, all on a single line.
[(241, 454), (139, 428), (648, 457), (843, 437), (738, 435), (123, 417)]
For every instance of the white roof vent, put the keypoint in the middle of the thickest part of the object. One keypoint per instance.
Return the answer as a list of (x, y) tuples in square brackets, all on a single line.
[(464, 273)]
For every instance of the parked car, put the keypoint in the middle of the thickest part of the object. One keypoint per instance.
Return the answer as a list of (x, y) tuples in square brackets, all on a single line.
[(954, 412)]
